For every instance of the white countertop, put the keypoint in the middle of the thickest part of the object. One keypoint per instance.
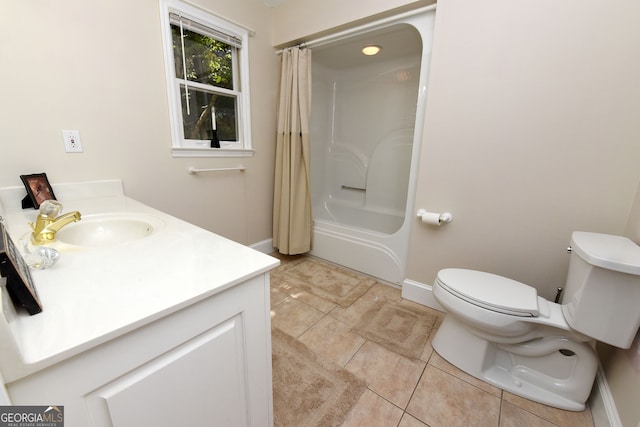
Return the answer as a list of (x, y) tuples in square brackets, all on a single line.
[(94, 294)]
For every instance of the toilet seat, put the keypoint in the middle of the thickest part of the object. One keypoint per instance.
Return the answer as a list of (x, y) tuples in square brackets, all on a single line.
[(490, 291)]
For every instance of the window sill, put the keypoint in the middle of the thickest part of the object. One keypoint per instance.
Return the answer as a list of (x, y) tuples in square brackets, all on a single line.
[(211, 152)]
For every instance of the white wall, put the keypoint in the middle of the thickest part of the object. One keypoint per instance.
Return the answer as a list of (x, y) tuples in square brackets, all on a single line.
[(98, 67), (531, 132)]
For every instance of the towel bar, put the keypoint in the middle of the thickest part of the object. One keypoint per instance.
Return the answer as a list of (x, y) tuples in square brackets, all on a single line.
[(193, 170)]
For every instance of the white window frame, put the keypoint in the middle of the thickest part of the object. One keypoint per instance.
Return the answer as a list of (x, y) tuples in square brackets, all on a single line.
[(181, 147)]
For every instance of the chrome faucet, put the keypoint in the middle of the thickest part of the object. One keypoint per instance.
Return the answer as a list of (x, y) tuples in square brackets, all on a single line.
[(49, 222)]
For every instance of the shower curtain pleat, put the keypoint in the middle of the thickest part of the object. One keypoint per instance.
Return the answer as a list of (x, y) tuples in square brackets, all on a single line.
[(292, 190)]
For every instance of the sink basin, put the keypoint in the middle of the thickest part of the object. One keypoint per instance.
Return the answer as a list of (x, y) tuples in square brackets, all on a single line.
[(108, 229)]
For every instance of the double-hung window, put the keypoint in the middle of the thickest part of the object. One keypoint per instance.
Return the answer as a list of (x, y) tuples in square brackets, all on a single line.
[(206, 62)]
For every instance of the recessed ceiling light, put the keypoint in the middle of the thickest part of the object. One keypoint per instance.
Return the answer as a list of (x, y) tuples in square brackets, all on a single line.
[(371, 49)]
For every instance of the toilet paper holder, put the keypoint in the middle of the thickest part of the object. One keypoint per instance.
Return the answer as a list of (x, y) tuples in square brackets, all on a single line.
[(433, 218)]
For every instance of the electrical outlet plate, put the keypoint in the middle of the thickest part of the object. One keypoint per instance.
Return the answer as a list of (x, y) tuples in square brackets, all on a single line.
[(72, 143)]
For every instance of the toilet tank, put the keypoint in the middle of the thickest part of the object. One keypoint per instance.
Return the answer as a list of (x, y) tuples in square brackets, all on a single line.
[(602, 293)]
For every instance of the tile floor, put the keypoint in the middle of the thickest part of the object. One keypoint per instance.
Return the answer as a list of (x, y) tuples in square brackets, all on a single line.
[(401, 392)]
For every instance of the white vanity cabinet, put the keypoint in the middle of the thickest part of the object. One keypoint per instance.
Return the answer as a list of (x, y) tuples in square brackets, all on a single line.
[(208, 364), (170, 329)]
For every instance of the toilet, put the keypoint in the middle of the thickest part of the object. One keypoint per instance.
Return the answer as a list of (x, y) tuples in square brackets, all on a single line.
[(500, 331)]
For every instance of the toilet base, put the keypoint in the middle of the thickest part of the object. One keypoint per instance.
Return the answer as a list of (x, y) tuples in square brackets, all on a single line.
[(552, 370)]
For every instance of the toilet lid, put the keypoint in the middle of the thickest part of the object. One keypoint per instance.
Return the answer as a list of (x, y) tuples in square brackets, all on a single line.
[(490, 291)]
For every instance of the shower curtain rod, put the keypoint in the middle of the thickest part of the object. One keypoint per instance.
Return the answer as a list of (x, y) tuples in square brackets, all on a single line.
[(354, 31)]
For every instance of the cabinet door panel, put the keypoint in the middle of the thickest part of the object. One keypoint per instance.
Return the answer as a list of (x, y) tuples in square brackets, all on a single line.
[(201, 382)]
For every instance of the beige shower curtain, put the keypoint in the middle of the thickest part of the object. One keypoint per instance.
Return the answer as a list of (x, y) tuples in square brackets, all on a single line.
[(292, 191)]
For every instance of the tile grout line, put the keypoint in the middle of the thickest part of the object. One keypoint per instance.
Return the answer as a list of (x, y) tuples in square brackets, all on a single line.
[(426, 363)]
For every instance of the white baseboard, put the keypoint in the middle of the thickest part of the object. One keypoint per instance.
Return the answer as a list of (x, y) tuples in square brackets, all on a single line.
[(420, 293), (603, 406), (265, 246)]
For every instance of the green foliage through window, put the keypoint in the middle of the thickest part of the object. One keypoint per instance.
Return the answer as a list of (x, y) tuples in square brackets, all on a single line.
[(208, 62)]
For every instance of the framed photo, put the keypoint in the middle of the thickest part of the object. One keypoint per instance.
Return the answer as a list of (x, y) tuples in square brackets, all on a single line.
[(19, 281), (38, 190)]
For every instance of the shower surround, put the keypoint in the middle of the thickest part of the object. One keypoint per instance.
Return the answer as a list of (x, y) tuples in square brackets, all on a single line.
[(366, 129)]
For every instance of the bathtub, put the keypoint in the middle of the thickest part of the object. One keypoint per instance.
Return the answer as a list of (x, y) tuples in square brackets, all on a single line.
[(359, 217), (360, 238)]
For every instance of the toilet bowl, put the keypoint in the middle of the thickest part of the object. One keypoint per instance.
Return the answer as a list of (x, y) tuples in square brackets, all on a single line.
[(500, 331)]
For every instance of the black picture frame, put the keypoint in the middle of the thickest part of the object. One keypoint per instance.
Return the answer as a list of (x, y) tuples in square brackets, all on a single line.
[(19, 282), (38, 190)]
